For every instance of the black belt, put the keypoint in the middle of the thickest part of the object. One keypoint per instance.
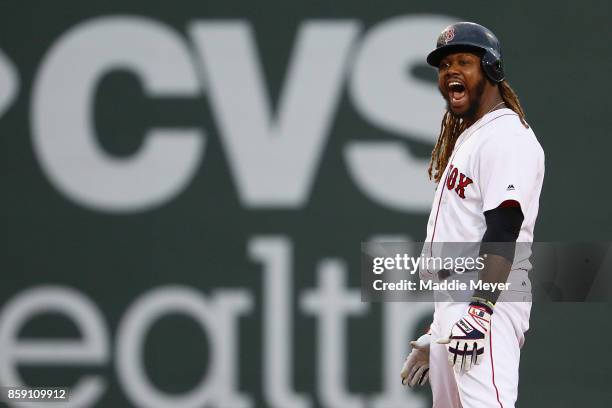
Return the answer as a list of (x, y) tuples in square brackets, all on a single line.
[(443, 274)]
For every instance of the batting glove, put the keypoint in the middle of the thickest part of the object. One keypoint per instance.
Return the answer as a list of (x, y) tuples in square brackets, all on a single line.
[(416, 367), (468, 337)]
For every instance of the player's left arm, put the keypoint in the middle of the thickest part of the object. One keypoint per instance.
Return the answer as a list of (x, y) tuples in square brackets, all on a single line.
[(510, 170), (508, 174), (497, 248), (468, 337)]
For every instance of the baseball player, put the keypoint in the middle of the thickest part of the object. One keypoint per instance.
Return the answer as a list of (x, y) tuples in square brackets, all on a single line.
[(489, 168)]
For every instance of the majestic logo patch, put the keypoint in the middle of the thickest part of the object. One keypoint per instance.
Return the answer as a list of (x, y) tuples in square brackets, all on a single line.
[(448, 35), (510, 187)]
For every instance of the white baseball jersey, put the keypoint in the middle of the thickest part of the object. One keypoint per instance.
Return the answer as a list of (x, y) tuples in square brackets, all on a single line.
[(495, 160)]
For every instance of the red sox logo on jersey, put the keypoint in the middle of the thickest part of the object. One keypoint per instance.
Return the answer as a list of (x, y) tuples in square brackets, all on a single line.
[(458, 185)]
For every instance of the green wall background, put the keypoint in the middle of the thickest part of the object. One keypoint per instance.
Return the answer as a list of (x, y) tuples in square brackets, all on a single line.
[(557, 59)]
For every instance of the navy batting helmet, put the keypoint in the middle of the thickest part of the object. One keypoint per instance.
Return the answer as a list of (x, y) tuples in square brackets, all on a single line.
[(473, 37)]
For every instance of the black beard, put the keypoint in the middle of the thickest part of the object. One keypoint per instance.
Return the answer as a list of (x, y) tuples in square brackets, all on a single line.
[(474, 101)]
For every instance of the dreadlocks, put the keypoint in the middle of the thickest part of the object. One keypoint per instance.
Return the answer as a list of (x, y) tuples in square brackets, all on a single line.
[(452, 126)]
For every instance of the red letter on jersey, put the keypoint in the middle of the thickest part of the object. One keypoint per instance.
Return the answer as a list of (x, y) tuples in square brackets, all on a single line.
[(464, 181), (452, 178)]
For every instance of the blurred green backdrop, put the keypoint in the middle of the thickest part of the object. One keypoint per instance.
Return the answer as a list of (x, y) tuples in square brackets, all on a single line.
[(293, 131)]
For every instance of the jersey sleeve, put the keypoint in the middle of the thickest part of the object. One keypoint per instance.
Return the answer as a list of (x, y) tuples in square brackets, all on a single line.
[(509, 167)]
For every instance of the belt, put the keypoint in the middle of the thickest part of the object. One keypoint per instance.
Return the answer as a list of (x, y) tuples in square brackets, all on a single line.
[(443, 274)]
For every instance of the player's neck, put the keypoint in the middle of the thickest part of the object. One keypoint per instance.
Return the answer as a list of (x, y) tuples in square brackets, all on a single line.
[(490, 102)]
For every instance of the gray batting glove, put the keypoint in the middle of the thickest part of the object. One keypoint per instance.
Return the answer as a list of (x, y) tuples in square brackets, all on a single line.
[(416, 367)]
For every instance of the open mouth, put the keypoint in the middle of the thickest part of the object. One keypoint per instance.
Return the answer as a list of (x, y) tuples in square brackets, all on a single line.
[(456, 91)]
